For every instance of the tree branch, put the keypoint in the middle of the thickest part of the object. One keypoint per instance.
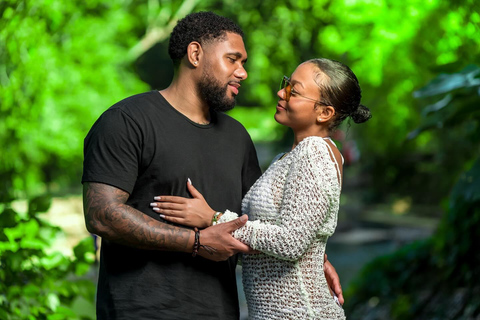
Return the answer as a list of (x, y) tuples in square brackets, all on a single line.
[(156, 33)]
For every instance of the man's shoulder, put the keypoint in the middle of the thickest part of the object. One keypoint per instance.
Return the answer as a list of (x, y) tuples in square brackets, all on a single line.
[(232, 127), (226, 119), (139, 107), (140, 100)]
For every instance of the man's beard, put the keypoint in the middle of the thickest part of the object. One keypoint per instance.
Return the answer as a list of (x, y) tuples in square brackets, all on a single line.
[(214, 93)]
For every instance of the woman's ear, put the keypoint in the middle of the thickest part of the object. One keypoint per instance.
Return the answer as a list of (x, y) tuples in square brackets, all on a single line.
[(194, 53), (325, 113)]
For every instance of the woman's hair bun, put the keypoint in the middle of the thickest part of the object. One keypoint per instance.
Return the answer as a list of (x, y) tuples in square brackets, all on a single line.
[(362, 114)]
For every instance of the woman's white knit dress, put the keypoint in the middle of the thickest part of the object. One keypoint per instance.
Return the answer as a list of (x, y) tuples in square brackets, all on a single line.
[(292, 211)]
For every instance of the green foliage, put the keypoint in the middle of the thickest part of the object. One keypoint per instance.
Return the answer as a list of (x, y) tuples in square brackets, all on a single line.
[(437, 278), (459, 104), (61, 64), (452, 121), (36, 283)]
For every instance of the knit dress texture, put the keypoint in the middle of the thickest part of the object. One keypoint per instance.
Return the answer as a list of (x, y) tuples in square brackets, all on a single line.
[(292, 210)]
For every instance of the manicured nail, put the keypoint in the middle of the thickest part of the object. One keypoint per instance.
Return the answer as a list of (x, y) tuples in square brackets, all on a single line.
[(162, 216), (156, 209), (153, 204), (157, 198), (189, 181), (337, 301)]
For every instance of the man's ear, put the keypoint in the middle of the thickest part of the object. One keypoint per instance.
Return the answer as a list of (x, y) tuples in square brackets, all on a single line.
[(194, 53)]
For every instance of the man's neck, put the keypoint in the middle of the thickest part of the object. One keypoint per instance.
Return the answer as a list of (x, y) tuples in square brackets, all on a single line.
[(186, 101)]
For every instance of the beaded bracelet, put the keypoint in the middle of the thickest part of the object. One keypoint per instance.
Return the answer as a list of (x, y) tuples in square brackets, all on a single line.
[(215, 218), (196, 243)]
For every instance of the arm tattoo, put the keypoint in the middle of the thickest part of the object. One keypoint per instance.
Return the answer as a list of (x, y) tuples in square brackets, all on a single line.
[(107, 215)]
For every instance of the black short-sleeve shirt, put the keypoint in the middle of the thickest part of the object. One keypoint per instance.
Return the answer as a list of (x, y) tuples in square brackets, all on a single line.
[(146, 147)]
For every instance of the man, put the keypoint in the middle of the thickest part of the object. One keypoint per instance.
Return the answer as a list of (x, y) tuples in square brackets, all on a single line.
[(150, 144)]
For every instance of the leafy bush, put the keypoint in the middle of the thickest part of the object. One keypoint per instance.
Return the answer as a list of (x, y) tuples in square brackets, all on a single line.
[(36, 283)]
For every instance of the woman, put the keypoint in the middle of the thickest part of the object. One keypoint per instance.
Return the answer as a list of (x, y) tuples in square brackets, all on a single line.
[(293, 207)]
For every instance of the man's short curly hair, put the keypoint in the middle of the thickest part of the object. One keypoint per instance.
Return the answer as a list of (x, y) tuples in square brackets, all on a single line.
[(202, 27)]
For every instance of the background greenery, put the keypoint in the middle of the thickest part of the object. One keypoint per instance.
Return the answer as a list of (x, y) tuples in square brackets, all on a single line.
[(62, 63)]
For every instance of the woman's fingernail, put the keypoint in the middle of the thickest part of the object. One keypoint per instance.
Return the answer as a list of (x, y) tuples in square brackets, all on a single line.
[(189, 181), (157, 198), (156, 209), (153, 204), (162, 216)]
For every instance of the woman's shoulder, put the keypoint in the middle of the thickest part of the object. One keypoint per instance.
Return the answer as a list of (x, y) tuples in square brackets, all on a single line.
[(312, 145), (318, 148)]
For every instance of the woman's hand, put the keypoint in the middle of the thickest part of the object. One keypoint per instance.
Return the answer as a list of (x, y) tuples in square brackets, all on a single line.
[(193, 212), (333, 281)]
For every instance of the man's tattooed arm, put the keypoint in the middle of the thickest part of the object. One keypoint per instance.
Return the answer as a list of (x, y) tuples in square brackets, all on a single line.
[(107, 215)]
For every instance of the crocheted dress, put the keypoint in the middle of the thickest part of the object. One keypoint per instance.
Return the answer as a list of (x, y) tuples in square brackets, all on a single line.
[(292, 211)]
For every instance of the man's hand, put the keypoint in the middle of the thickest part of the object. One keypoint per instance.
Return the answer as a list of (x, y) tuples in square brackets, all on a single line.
[(217, 242), (333, 280)]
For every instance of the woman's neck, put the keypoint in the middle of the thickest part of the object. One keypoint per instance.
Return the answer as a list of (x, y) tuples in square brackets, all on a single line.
[(299, 136)]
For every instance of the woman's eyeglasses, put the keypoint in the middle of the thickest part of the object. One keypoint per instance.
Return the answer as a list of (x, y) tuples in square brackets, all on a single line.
[(287, 86)]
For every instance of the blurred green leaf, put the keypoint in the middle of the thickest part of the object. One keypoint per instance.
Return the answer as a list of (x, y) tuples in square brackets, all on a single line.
[(53, 260), (445, 83), (39, 204), (7, 218), (27, 243), (461, 101), (468, 187), (53, 302), (85, 250)]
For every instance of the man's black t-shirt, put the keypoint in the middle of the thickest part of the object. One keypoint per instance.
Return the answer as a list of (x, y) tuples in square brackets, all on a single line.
[(147, 148)]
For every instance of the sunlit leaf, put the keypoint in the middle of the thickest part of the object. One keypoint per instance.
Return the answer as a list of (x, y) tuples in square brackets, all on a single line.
[(53, 260)]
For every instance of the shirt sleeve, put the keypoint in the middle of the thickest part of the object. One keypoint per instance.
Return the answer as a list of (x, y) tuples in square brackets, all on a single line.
[(112, 150), (305, 207)]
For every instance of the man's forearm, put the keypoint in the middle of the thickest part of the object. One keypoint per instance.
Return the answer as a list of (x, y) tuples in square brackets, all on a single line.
[(107, 215)]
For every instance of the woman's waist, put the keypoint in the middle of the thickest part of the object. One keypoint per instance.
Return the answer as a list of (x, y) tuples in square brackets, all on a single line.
[(265, 266)]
